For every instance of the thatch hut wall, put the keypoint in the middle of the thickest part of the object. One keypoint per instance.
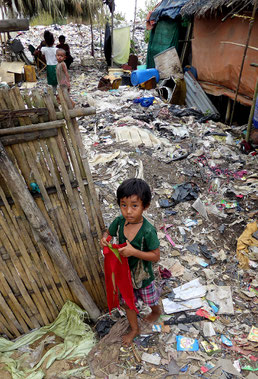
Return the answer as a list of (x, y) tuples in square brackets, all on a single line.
[(218, 44)]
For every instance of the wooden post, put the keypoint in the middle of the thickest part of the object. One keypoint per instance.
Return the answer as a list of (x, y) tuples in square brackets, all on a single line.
[(227, 117), (134, 21), (22, 196), (186, 42), (251, 115), (243, 60), (112, 32)]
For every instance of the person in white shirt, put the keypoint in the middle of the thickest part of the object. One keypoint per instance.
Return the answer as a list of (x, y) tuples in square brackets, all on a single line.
[(49, 51)]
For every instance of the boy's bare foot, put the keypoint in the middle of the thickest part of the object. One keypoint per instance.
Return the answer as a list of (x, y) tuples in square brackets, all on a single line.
[(127, 339), (154, 315)]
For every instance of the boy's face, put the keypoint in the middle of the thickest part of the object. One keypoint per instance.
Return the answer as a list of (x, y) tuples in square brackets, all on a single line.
[(132, 209), (60, 56)]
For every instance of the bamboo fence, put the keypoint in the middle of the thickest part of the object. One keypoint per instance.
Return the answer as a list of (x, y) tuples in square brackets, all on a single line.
[(43, 142)]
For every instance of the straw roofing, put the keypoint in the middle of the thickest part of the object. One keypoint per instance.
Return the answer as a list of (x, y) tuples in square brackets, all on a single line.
[(57, 8), (200, 7)]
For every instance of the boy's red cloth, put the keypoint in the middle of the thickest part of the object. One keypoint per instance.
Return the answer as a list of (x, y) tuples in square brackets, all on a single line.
[(117, 276)]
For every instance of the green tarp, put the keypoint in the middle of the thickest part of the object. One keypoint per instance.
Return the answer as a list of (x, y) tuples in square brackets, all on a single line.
[(69, 325), (163, 36)]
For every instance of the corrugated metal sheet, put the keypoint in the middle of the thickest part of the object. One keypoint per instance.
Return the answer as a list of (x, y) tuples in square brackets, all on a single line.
[(196, 97)]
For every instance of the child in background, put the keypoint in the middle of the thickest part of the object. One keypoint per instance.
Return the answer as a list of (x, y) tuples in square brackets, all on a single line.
[(66, 48), (49, 51), (63, 78), (133, 197)]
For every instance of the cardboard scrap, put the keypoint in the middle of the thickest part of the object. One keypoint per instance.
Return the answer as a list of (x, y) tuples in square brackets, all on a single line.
[(253, 334)]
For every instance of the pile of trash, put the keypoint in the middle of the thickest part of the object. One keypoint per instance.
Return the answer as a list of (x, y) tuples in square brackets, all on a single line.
[(204, 208)]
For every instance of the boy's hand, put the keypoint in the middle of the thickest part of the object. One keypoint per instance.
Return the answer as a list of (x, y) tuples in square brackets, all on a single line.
[(104, 242), (127, 251)]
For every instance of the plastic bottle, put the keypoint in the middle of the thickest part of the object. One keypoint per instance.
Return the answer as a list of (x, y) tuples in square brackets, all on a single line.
[(255, 119), (140, 76)]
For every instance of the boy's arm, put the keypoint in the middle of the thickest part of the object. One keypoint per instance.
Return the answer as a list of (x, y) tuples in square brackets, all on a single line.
[(130, 251), (66, 72)]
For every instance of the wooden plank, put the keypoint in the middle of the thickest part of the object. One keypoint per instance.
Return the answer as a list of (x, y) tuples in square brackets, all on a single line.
[(27, 137), (32, 128)]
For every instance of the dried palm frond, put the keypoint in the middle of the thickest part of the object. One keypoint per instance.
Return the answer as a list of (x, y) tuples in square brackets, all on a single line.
[(200, 7), (56, 8)]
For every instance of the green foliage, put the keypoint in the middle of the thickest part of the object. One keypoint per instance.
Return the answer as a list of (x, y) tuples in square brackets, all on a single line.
[(44, 18), (149, 5), (147, 35), (132, 48), (119, 18)]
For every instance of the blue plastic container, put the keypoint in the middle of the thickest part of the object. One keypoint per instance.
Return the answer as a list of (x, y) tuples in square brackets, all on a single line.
[(255, 119), (140, 76)]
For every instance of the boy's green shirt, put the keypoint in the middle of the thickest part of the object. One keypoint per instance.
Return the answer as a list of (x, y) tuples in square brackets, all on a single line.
[(145, 240)]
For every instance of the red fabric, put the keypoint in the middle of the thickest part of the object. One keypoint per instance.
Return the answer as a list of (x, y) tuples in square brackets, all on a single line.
[(122, 278)]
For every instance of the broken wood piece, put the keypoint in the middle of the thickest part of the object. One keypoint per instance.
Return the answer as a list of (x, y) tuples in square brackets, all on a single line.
[(26, 137), (136, 354), (32, 127), (77, 112)]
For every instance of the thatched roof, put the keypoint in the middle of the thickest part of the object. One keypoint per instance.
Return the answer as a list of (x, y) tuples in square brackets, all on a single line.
[(200, 7), (57, 8)]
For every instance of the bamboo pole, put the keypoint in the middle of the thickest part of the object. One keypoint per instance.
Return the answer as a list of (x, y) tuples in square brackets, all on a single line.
[(243, 60), (23, 197), (32, 128), (67, 105)]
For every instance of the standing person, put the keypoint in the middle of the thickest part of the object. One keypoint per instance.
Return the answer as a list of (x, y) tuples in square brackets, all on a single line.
[(66, 48), (49, 51), (62, 75), (133, 197)]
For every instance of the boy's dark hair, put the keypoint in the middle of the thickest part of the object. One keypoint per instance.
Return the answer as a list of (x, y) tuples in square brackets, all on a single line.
[(49, 38), (61, 38), (132, 187)]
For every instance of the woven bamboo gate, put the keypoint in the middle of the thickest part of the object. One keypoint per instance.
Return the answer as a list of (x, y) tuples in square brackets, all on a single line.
[(43, 142)]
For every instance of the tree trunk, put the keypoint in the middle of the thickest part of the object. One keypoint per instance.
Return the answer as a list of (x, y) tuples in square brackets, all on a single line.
[(22, 196)]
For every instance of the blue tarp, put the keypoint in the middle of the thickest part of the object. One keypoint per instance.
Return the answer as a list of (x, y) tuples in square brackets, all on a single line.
[(168, 8)]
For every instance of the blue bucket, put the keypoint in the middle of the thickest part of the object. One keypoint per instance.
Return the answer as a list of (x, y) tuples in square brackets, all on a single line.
[(141, 76)]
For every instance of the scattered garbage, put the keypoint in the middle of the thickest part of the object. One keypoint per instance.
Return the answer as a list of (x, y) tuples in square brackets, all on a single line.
[(204, 205)]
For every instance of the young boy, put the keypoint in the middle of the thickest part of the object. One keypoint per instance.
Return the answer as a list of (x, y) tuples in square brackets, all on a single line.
[(133, 197), (66, 48), (49, 51), (62, 75)]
